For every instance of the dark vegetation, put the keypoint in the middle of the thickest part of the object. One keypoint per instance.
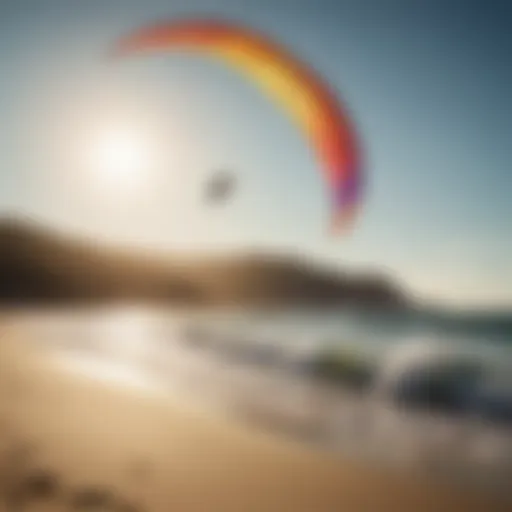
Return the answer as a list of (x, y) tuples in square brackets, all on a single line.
[(40, 266)]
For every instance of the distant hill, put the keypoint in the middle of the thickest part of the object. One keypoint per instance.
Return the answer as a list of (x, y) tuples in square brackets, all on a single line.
[(39, 265)]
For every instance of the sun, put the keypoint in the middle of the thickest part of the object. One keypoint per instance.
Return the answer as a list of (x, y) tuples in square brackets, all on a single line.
[(120, 157)]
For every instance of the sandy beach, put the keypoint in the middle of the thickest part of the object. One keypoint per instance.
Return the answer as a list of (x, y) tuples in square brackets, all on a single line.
[(159, 455)]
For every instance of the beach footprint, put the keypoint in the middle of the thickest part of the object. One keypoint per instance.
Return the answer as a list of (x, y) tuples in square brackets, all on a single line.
[(99, 499), (36, 486), (41, 484), (124, 506), (92, 498)]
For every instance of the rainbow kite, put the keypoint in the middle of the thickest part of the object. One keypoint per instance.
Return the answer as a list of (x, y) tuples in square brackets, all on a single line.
[(296, 87)]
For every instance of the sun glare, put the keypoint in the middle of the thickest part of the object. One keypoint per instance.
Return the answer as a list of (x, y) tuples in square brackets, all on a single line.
[(120, 157)]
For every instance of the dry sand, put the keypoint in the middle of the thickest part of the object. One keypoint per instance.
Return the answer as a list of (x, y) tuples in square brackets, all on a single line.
[(152, 452)]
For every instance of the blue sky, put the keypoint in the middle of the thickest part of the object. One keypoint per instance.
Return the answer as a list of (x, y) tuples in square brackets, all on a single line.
[(428, 83)]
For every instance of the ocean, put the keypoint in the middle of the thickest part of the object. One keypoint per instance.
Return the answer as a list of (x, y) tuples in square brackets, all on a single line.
[(372, 332)]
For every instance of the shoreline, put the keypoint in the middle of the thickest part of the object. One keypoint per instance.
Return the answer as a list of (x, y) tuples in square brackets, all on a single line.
[(91, 432)]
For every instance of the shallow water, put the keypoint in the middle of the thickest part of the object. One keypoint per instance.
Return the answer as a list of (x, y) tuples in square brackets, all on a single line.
[(143, 348)]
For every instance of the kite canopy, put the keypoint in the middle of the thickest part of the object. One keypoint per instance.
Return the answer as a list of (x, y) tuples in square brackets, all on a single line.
[(295, 86)]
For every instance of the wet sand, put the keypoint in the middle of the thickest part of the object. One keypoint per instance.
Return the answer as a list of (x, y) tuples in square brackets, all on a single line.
[(150, 453)]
